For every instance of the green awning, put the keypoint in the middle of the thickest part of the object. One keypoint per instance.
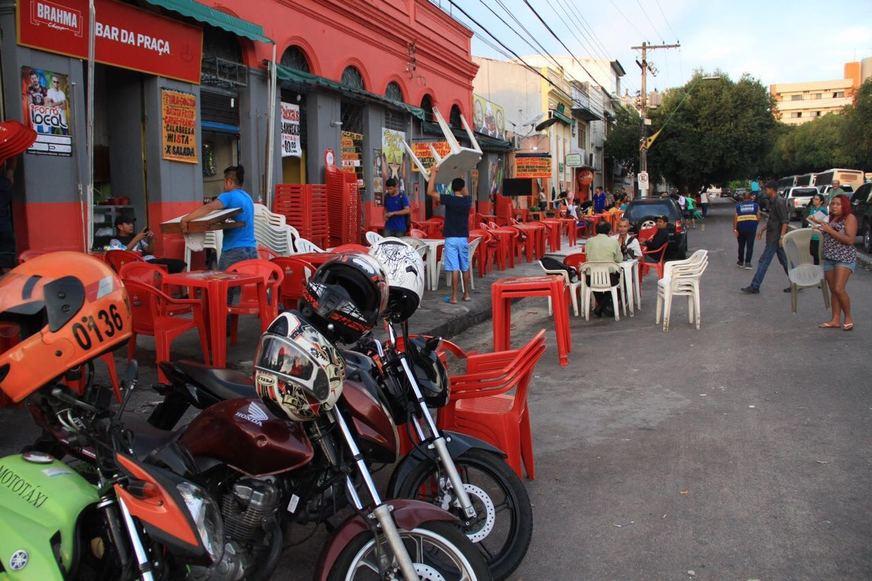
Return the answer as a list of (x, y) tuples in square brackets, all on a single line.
[(562, 116), (305, 80), (216, 18)]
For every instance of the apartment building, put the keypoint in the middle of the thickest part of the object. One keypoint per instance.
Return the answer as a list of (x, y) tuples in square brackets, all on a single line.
[(798, 103)]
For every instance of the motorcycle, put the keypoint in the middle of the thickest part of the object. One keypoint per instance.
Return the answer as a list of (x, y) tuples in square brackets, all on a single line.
[(460, 473), (121, 518)]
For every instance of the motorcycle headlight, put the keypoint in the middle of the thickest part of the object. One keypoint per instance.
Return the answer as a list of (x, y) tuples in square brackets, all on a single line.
[(207, 518)]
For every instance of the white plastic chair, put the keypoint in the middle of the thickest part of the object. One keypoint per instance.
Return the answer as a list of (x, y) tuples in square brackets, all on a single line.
[(304, 246), (801, 270), (573, 288), (681, 278), (213, 239), (600, 282), (473, 246)]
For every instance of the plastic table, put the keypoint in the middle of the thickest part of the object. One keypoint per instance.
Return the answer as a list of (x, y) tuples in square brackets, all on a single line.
[(215, 285)]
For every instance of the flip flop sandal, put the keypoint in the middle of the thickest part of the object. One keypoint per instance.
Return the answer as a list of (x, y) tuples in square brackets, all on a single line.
[(848, 327), (828, 326)]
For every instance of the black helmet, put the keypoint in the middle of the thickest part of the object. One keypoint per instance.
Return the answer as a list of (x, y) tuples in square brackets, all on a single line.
[(346, 297), (429, 371)]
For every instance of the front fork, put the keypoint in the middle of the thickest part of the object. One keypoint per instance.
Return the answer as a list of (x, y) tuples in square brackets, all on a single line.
[(142, 561), (382, 511)]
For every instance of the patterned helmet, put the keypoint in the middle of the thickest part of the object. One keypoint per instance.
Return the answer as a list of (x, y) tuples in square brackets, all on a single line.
[(297, 371), (405, 270)]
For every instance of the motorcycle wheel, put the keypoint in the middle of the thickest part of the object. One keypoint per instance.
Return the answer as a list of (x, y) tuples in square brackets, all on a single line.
[(439, 551), (494, 490)]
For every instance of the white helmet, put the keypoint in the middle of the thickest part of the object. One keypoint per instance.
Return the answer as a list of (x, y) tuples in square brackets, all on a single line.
[(405, 270), (297, 370)]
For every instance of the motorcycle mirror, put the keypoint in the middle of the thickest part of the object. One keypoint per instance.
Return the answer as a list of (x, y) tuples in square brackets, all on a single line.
[(432, 343)]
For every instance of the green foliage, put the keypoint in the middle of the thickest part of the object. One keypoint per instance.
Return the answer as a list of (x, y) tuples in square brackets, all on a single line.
[(857, 130), (714, 130), (622, 143)]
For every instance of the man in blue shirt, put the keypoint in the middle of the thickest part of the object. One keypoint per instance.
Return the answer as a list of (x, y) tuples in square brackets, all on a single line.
[(745, 228), (396, 210), (239, 243), (599, 200), (456, 231)]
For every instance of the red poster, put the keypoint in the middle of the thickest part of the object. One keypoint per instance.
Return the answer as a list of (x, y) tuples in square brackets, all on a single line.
[(127, 37)]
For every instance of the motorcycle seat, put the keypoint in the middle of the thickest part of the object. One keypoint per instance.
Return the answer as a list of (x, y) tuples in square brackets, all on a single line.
[(222, 384), (146, 438)]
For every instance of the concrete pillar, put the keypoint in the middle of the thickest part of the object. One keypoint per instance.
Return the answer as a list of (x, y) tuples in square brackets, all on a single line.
[(322, 109)]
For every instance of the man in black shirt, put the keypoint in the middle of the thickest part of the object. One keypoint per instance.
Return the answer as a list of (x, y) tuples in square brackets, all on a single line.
[(455, 254), (661, 237), (141, 243)]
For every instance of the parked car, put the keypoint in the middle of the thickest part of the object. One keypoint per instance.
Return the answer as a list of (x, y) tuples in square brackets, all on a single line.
[(797, 199), (639, 212), (861, 205), (825, 190)]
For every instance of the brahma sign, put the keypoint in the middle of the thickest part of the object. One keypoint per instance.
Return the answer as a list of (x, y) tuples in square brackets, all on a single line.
[(126, 36)]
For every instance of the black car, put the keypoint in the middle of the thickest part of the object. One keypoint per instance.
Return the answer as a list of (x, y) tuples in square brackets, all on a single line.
[(641, 211), (861, 206)]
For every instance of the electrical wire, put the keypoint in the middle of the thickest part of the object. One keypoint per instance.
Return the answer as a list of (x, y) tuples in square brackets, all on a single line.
[(666, 20), (541, 49), (630, 22), (650, 22), (597, 58), (586, 32)]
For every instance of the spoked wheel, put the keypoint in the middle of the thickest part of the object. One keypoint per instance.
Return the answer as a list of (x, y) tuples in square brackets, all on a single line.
[(439, 552), (503, 525)]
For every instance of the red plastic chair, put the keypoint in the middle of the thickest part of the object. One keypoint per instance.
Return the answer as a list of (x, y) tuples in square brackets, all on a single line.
[(297, 273), (481, 406), (486, 252), (350, 248), (118, 258), (575, 260), (646, 266), (265, 253), (504, 291), (152, 312), (416, 233), (250, 300), (144, 272), (646, 234)]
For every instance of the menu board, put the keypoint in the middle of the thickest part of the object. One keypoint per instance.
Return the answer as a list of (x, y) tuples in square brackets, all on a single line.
[(532, 167), (352, 155), (423, 153), (179, 118)]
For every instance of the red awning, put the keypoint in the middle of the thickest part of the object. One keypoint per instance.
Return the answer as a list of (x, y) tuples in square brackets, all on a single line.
[(15, 138)]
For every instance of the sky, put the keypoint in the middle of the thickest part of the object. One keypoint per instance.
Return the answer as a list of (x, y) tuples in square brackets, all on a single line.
[(773, 41)]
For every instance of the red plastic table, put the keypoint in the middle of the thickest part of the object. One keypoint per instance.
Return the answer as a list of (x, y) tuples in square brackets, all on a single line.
[(553, 226), (215, 285), (505, 290), (535, 239), (505, 252), (569, 226)]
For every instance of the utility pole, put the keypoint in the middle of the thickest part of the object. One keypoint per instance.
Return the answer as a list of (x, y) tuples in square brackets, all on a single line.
[(646, 66)]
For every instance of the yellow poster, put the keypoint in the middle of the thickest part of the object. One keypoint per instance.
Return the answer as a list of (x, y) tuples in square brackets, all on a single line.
[(423, 153), (179, 119)]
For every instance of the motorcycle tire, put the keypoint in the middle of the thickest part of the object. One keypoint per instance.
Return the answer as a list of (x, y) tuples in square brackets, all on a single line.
[(504, 561), (351, 565)]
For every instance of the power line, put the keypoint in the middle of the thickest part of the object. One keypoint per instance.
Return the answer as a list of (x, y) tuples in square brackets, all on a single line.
[(651, 22), (581, 21), (509, 26), (589, 45), (630, 22), (563, 44), (603, 55), (666, 20)]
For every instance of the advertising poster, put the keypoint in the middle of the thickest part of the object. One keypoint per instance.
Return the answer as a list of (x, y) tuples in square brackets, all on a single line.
[(422, 152), (495, 171), (179, 122), (378, 176), (352, 155), (291, 130), (46, 106), (488, 118), (532, 167), (394, 154)]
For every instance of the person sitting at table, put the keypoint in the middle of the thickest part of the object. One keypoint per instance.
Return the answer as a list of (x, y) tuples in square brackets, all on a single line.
[(660, 237), (140, 243), (604, 248), (599, 200), (238, 243), (628, 242), (397, 210)]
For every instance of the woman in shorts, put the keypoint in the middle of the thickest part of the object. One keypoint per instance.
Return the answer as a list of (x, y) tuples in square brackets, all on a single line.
[(840, 259)]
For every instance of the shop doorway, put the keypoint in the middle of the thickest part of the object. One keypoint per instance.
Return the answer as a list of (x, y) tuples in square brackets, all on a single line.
[(293, 107), (120, 172)]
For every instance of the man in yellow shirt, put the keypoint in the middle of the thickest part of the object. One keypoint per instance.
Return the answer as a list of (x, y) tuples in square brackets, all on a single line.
[(603, 248)]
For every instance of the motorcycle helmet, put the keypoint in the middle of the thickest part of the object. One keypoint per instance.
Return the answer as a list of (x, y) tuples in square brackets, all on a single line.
[(297, 371), (405, 270), (70, 308), (429, 371), (346, 297)]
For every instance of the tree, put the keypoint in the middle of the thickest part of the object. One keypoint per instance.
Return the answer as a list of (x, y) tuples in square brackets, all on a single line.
[(713, 130), (622, 143), (857, 129)]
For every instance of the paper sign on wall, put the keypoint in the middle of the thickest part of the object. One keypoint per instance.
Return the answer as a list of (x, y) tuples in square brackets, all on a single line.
[(179, 121), (46, 107), (532, 167), (291, 130)]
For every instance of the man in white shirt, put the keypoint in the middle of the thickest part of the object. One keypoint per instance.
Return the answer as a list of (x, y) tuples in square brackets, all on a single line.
[(704, 202), (55, 96), (629, 243)]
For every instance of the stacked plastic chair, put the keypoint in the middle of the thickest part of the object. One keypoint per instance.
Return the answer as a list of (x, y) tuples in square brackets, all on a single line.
[(343, 207), (272, 231), (681, 278), (304, 207)]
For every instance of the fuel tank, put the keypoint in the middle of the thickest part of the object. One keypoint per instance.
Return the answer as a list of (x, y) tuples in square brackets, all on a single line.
[(372, 421), (245, 435)]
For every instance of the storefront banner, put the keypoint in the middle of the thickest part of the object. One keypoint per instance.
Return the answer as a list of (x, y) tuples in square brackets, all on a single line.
[(291, 130), (46, 106), (488, 117), (179, 121), (352, 154), (127, 37), (423, 153), (532, 167)]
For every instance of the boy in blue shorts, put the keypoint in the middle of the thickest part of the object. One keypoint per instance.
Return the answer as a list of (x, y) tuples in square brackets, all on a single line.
[(456, 231)]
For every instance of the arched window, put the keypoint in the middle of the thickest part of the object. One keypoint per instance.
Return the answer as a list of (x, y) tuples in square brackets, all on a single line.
[(295, 58), (394, 92), (427, 106), (454, 119), (351, 77)]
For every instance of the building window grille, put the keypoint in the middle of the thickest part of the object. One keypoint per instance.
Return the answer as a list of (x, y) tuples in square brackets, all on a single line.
[(295, 58), (394, 92), (427, 106), (454, 119), (351, 77), (796, 97), (395, 120)]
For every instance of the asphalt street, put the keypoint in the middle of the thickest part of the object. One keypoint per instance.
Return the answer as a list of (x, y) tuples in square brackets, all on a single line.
[(739, 451)]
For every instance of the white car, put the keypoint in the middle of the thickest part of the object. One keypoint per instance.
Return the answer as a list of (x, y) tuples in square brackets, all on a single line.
[(797, 199)]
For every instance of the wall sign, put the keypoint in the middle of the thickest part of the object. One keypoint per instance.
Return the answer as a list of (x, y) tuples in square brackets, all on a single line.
[(179, 121), (573, 159), (46, 105), (532, 167), (291, 130), (352, 155), (423, 153), (488, 117), (127, 37)]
